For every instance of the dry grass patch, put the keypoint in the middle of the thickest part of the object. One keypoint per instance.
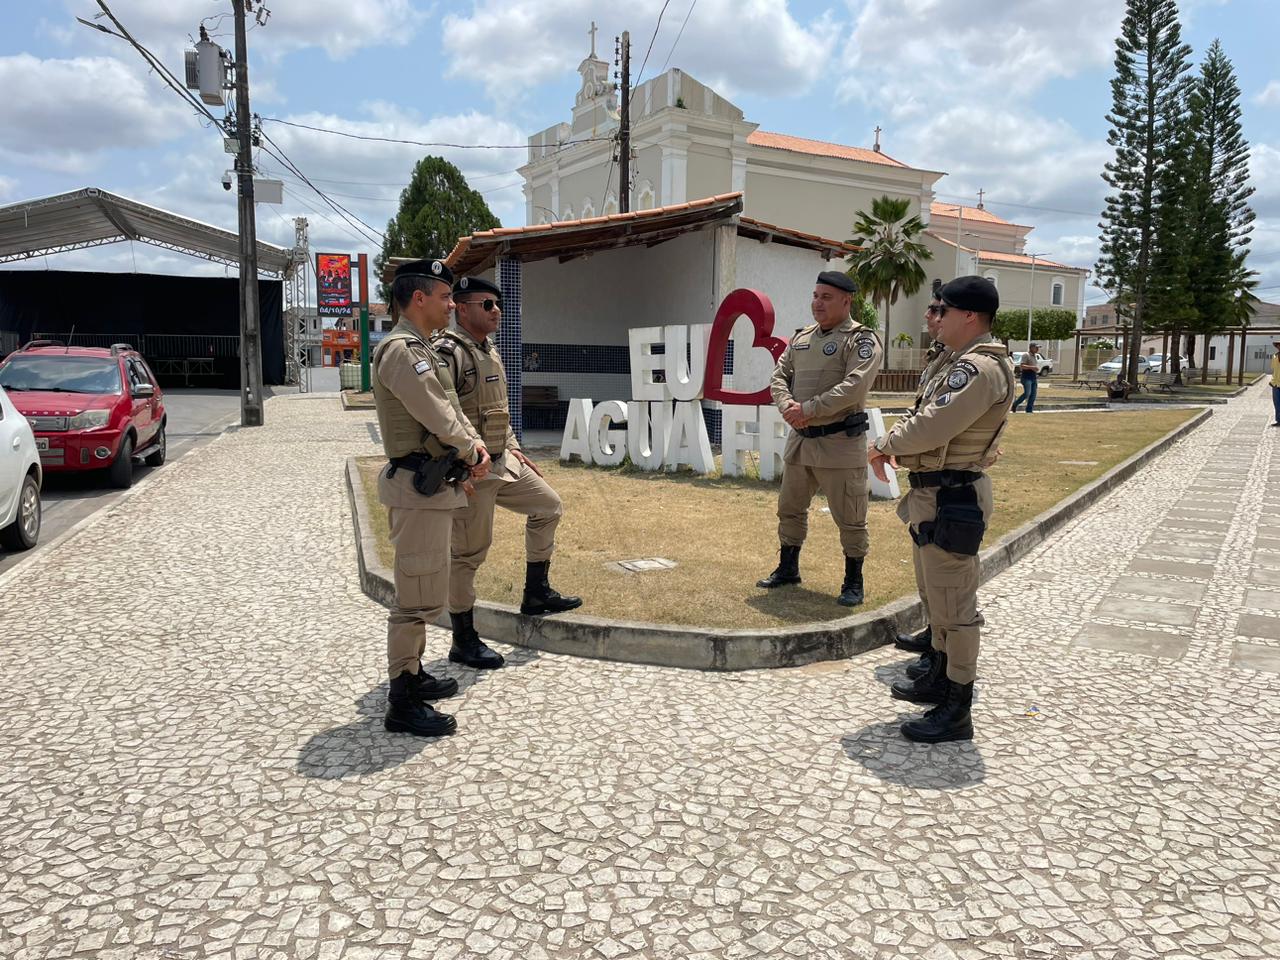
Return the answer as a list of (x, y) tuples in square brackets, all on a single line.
[(723, 531)]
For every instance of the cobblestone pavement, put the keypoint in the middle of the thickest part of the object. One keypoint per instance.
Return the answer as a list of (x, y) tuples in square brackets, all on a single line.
[(192, 762)]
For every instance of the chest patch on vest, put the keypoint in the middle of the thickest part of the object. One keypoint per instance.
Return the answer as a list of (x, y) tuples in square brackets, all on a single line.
[(961, 374), (422, 366), (492, 379), (866, 350), (830, 348)]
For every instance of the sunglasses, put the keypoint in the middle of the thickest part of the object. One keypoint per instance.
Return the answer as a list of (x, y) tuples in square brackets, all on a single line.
[(487, 304), (937, 310)]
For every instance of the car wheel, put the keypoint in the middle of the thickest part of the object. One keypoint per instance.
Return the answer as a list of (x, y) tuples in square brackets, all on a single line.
[(121, 472), (157, 458), (23, 533), (1045, 371)]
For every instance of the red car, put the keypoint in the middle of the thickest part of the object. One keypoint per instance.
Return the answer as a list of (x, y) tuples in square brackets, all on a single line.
[(91, 408)]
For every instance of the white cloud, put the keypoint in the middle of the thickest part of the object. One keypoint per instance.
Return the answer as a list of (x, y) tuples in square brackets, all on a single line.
[(508, 45), (340, 27), (70, 111), (1264, 176), (1269, 96), (912, 57)]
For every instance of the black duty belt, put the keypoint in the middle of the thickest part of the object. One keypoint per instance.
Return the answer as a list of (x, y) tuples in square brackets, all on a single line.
[(943, 478), (854, 425)]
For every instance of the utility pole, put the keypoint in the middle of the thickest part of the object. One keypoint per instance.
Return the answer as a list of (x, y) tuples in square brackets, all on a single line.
[(250, 325), (624, 129)]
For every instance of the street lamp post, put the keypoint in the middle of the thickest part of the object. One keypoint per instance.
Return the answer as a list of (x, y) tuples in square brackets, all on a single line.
[(1031, 297), (977, 264)]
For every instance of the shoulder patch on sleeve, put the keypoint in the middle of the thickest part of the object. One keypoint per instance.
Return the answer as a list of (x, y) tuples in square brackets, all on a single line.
[(943, 400), (866, 348), (422, 366), (960, 374)]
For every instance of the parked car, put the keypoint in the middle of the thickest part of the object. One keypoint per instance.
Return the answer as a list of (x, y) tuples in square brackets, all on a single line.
[(1046, 365), (92, 408), (1156, 363), (1118, 363), (20, 479)]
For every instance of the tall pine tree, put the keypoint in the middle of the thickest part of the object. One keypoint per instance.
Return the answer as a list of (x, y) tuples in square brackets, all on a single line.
[(436, 208), (1148, 95), (1218, 198)]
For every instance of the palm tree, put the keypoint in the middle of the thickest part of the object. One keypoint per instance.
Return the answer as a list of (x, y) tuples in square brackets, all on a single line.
[(888, 265)]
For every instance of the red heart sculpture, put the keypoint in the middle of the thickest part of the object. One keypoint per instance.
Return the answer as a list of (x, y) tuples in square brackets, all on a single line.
[(740, 303)]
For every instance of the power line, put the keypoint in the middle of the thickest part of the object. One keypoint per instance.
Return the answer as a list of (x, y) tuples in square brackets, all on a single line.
[(423, 143), (678, 36), (373, 235), (1023, 206), (640, 75)]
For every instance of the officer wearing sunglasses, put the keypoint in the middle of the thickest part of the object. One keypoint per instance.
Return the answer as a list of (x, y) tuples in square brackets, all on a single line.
[(947, 447), (514, 482)]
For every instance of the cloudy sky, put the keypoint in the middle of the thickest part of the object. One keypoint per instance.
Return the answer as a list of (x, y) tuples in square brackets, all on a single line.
[(1005, 95)]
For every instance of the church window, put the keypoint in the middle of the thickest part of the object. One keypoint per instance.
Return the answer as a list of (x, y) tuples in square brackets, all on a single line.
[(567, 213), (1059, 291), (610, 205), (588, 209)]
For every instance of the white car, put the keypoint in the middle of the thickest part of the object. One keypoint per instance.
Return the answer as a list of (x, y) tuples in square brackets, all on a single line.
[(20, 480), (1046, 365), (1156, 364), (1117, 364)]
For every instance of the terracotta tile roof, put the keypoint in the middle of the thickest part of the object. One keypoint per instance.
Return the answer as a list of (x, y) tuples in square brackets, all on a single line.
[(991, 256), (937, 209), (560, 225), (813, 238), (780, 141)]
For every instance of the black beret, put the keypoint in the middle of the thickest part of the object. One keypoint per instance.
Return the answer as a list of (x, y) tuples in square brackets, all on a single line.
[(971, 293), (476, 285), (430, 269), (834, 278)]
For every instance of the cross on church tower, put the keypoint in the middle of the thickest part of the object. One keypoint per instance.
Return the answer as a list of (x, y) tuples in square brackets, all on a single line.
[(981, 193), (592, 31), (876, 148)]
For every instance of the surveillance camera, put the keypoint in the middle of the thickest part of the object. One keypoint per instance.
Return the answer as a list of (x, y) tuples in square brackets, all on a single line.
[(226, 180)]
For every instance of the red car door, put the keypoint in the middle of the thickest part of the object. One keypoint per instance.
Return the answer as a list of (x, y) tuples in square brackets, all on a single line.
[(140, 415)]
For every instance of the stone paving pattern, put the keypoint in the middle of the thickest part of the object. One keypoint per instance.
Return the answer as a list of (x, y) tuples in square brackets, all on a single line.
[(192, 762)]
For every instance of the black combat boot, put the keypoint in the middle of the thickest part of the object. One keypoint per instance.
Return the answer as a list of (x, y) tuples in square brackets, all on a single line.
[(851, 589), (428, 687), (915, 642), (787, 571), (918, 668), (406, 713), (929, 688), (539, 595), (468, 649), (951, 720)]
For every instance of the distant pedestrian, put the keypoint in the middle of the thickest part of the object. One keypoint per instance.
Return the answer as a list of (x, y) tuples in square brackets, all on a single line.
[(1275, 381), (1029, 374)]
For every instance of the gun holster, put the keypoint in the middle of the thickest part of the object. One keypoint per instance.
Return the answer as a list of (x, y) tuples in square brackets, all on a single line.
[(957, 527), (430, 474)]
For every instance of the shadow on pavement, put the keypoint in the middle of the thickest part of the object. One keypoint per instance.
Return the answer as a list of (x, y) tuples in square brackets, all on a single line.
[(887, 754), (363, 746)]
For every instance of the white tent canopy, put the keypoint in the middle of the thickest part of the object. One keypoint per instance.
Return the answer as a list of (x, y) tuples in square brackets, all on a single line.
[(92, 217)]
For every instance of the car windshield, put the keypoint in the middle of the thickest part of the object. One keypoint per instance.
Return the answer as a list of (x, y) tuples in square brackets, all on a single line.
[(62, 373)]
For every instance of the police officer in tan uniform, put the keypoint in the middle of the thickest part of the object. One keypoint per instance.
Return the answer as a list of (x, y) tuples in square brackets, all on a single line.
[(820, 385), (514, 482), (937, 354), (428, 442), (946, 447)]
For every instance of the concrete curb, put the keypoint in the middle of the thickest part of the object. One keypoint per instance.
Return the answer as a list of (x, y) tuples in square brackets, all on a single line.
[(701, 649)]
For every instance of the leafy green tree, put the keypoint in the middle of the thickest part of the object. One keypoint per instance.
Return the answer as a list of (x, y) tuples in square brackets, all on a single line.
[(862, 311), (1148, 94), (1047, 323), (436, 208), (888, 265)]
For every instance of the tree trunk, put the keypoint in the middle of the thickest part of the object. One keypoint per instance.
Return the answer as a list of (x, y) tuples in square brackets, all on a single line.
[(1204, 359), (886, 323), (1174, 356)]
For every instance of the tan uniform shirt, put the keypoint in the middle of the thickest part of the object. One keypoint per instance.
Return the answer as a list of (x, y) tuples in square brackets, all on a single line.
[(964, 411), (416, 414), (936, 357), (829, 373), (480, 380)]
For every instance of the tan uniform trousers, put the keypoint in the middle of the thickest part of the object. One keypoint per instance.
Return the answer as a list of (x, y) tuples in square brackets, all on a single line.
[(421, 541), (948, 584), (846, 491), (528, 495)]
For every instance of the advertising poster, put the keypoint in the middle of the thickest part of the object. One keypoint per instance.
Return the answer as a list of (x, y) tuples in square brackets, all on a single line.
[(333, 282)]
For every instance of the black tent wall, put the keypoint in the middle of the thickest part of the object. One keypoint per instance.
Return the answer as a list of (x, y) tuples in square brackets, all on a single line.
[(137, 305)]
